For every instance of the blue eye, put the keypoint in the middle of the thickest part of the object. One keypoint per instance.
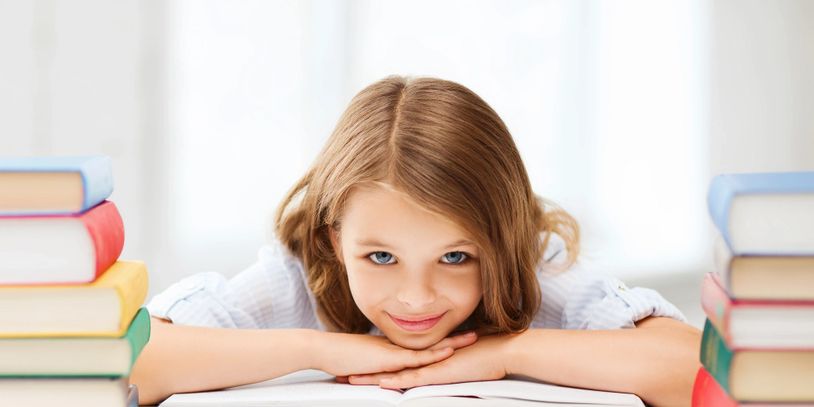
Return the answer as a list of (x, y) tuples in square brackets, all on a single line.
[(384, 258), (376, 255), (457, 258)]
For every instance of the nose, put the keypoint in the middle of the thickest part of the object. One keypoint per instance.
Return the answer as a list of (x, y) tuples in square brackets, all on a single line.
[(416, 291)]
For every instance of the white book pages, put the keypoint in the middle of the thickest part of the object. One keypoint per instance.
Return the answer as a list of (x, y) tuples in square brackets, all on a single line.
[(315, 388)]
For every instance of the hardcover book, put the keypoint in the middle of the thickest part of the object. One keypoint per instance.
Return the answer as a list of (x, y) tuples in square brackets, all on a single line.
[(53, 185), (65, 392), (764, 277), (764, 213), (104, 307), (90, 356), (758, 375), (758, 323), (707, 392), (60, 249)]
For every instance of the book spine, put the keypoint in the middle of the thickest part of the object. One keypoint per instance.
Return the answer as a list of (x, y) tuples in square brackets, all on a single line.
[(716, 304), (716, 357), (707, 393), (724, 262), (97, 181), (132, 293), (719, 201), (106, 229), (138, 335)]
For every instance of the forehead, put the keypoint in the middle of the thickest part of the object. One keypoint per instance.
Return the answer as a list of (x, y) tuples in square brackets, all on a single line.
[(383, 211)]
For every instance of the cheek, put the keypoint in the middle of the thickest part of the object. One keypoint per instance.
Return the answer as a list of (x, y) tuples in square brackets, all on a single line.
[(464, 290), (369, 287), (373, 289)]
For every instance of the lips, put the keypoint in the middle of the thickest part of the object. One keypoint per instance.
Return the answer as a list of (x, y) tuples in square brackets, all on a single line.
[(417, 323)]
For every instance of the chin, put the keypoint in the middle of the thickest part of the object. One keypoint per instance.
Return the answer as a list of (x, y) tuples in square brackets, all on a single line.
[(414, 342)]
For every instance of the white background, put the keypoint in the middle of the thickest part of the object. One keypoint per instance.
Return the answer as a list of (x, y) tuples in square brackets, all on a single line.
[(622, 110)]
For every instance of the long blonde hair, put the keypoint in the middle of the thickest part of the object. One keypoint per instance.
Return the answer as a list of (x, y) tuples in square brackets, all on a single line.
[(442, 145)]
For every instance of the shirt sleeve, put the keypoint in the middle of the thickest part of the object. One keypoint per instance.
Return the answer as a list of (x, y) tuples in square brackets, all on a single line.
[(578, 298), (271, 293)]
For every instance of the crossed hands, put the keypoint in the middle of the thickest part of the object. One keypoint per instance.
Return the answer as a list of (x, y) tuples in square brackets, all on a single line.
[(374, 360)]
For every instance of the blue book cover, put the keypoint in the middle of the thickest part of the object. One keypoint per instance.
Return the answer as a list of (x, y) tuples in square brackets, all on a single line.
[(725, 187), (132, 396), (96, 173)]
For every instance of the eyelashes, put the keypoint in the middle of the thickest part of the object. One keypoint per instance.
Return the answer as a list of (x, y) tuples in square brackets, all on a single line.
[(376, 259)]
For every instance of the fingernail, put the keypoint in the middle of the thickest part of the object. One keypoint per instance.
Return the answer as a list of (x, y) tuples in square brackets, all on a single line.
[(470, 334)]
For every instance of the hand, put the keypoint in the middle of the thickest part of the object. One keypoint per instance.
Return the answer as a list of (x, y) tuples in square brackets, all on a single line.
[(484, 360), (348, 354)]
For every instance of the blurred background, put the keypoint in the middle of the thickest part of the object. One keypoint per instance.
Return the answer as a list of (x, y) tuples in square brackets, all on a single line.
[(211, 110)]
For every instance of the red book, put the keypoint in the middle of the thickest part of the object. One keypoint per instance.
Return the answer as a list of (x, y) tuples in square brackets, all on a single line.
[(706, 392), (758, 324), (60, 249)]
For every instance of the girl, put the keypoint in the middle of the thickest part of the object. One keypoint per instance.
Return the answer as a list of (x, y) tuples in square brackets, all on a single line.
[(415, 240)]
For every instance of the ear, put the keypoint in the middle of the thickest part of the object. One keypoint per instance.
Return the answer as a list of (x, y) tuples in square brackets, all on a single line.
[(336, 243)]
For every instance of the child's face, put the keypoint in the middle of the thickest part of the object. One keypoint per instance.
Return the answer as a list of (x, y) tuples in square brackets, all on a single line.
[(417, 268)]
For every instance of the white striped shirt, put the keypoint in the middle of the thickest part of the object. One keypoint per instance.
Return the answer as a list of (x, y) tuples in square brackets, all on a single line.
[(274, 293)]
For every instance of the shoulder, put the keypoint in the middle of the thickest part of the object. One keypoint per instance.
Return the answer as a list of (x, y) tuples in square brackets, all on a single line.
[(581, 297), (271, 293), (284, 275), (277, 261)]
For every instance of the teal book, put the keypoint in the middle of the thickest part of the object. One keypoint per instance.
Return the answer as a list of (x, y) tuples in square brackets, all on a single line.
[(764, 213), (75, 356), (758, 375), (53, 185)]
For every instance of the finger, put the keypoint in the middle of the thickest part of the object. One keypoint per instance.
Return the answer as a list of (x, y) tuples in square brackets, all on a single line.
[(409, 378), (457, 341), (418, 358), (368, 378), (406, 358), (342, 379)]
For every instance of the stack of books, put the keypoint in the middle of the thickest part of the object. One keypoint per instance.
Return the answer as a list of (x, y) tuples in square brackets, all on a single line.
[(71, 317), (758, 341)]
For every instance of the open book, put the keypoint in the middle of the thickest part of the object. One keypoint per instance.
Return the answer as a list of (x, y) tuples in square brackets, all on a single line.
[(316, 388)]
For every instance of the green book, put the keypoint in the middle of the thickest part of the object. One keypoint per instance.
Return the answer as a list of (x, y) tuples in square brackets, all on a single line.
[(764, 375), (75, 356), (715, 356)]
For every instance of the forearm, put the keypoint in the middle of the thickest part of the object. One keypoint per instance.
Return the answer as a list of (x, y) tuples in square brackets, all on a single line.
[(657, 361), (185, 359)]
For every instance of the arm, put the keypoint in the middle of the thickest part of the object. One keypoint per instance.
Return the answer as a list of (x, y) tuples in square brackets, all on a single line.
[(657, 361), (185, 358), (180, 359)]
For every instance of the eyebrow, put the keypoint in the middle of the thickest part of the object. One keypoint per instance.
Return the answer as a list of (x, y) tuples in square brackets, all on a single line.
[(374, 242)]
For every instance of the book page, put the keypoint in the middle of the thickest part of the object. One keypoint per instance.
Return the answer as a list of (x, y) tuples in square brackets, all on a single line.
[(521, 388), (307, 387), (313, 387)]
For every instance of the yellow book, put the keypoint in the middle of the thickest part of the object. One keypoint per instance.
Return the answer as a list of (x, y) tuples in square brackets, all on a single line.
[(104, 307)]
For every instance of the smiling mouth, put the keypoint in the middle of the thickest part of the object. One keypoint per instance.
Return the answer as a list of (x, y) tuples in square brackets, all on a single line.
[(417, 324)]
